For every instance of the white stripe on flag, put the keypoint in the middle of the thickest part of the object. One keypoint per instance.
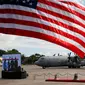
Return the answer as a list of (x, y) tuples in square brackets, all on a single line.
[(27, 18), (36, 29)]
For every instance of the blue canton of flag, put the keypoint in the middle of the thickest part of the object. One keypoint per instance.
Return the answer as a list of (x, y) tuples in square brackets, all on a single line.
[(27, 3)]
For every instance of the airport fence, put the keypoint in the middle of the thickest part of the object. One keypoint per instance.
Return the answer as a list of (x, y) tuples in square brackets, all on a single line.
[(58, 76)]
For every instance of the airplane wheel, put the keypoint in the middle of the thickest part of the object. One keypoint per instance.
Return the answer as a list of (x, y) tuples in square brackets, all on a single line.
[(78, 66), (69, 66), (73, 67), (43, 67)]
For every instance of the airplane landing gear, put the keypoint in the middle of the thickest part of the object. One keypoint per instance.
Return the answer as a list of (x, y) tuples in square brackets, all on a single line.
[(43, 67), (73, 66)]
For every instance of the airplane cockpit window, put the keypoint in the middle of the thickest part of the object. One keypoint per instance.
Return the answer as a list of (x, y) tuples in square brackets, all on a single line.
[(41, 59)]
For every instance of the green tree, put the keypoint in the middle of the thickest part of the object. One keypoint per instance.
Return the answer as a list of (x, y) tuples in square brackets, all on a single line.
[(22, 58), (13, 51), (2, 52), (33, 57)]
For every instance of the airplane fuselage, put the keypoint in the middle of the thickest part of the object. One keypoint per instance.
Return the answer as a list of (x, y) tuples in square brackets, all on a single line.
[(58, 61)]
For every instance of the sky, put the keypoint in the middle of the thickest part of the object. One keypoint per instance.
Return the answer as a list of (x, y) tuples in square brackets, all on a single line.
[(29, 45)]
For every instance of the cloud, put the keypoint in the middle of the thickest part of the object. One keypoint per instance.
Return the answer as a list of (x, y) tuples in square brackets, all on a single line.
[(28, 45)]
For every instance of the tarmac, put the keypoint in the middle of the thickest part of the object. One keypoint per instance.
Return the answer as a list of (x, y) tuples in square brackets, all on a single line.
[(37, 76)]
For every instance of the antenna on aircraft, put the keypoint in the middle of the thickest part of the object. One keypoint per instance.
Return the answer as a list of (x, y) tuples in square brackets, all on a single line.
[(54, 54), (58, 54), (69, 54), (69, 57)]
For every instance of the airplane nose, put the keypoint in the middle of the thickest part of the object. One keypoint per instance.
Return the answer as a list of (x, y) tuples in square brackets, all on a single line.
[(36, 63)]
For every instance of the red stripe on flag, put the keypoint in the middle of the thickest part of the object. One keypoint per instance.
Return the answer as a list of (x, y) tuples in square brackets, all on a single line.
[(19, 12), (74, 4), (42, 26), (63, 8), (65, 18), (44, 37), (62, 16)]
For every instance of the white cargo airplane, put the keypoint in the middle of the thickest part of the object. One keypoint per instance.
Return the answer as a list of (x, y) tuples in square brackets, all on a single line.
[(60, 60)]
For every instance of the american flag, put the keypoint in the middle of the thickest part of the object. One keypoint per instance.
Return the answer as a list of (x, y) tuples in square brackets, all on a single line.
[(59, 21)]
